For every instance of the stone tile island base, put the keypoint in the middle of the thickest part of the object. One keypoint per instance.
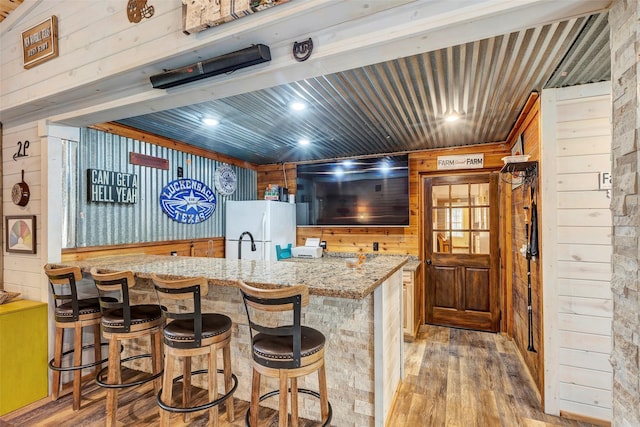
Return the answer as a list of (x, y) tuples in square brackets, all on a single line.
[(364, 334)]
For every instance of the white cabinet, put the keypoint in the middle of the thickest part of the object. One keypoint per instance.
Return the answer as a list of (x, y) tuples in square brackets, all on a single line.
[(412, 304)]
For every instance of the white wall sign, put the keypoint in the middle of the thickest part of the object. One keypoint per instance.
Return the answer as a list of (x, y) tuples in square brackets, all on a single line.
[(466, 161), (605, 181)]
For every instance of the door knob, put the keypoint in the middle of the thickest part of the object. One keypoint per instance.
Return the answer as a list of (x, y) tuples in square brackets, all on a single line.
[(428, 262)]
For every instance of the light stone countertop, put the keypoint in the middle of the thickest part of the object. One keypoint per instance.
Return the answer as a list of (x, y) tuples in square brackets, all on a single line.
[(327, 276), (412, 265)]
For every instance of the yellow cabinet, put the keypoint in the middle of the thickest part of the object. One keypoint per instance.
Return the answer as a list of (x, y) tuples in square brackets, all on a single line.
[(23, 354)]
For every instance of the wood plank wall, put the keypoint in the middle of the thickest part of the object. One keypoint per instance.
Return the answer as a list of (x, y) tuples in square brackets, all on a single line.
[(516, 298), (391, 240), (213, 248), (578, 251)]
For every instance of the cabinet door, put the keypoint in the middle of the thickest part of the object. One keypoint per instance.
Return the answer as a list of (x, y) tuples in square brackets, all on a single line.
[(23, 354), (405, 323), (408, 303)]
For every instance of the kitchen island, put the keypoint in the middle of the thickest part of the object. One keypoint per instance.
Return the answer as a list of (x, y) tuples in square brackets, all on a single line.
[(357, 309)]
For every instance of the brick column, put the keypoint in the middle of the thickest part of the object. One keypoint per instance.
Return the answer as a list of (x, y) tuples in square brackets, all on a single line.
[(625, 359)]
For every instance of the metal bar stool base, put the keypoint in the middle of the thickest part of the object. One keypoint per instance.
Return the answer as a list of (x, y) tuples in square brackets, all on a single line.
[(102, 372), (73, 368), (207, 405), (315, 394)]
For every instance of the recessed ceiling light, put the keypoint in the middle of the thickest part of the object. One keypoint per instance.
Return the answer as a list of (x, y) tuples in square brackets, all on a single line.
[(298, 106), (384, 167), (304, 141), (210, 121), (452, 118)]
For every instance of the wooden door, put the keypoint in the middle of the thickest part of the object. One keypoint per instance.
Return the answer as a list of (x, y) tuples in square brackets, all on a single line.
[(461, 215)]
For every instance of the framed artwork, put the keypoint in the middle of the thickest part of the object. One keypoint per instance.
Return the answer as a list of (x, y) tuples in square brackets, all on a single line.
[(20, 233), (517, 150)]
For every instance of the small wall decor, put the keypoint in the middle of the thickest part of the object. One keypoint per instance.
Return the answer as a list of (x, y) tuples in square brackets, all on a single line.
[(225, 180), (40, 43), (20, 192), (22, 150), (302, 50), (138, 9), (20, 234), (111, 187), (148, 161), (188, 201)]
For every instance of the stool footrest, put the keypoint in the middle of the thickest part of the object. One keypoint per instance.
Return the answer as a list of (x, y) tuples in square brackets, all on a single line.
[(73, 368), (313, 393), (100, 375), (207, 405)]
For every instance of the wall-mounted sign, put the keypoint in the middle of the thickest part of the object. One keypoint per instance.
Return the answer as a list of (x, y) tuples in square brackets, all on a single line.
[(604, 182), (111, 187), (149, 161), (463, 161), (40, 43), (22, 150), (225, 180), (188, 201)]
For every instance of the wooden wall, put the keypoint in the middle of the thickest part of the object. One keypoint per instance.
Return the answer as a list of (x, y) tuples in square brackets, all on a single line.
[(517, 282), (391, 240), (213, 248)]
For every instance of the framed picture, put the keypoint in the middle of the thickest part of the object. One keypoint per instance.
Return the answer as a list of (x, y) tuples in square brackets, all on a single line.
[(20, 233), (517, 150)]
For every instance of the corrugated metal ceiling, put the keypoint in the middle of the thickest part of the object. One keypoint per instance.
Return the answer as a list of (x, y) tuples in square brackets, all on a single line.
[(398, 105)]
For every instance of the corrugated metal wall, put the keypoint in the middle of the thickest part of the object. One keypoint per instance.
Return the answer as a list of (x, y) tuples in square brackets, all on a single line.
[(97, 224)]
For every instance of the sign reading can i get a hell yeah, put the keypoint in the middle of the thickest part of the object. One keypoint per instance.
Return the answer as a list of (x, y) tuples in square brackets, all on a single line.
[(463, 161), (111, 187)]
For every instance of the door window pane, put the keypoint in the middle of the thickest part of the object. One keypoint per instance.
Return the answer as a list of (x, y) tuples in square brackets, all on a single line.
[(440, 195), (441, 218), (459, 219), (480, 240), (460, 193), (441, 242), (479, 194), (460, 242), (480, 218)]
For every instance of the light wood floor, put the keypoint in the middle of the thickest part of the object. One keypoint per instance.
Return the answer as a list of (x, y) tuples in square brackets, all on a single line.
[(453, 377)]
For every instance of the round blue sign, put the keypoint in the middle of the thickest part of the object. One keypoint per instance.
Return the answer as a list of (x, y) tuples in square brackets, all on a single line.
[(188, 201)]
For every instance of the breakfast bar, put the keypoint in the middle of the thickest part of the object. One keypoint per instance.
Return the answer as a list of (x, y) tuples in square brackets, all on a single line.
[(359, 310)]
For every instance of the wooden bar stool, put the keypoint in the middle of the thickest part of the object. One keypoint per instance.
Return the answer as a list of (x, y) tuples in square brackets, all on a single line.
[(189, 333), (71, 312), (122, 321), (286, 352)]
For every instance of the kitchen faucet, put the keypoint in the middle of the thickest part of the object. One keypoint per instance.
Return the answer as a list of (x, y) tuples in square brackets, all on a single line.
[(253, 244)]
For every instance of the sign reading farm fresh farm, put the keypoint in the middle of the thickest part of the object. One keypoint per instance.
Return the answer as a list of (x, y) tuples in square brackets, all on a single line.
[(463, 161), (188, 201), (111, 187), (40, 43)]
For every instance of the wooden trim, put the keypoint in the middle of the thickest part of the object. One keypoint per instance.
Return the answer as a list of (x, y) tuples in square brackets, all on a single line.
[(394, 401), (133, 133), (585, 419), (524, 114), (549, 198), (188, 247)]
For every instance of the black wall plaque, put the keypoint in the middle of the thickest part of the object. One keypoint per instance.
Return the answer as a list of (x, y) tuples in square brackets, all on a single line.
[(111, 187)]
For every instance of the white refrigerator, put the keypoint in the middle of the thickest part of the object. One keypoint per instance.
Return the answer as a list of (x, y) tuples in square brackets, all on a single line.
[(270, 223)]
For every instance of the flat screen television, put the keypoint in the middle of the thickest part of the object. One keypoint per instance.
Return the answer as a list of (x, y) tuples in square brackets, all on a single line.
[(354, 192)]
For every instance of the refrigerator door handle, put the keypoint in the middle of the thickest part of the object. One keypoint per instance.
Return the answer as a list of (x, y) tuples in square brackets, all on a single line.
[(264, 235)]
